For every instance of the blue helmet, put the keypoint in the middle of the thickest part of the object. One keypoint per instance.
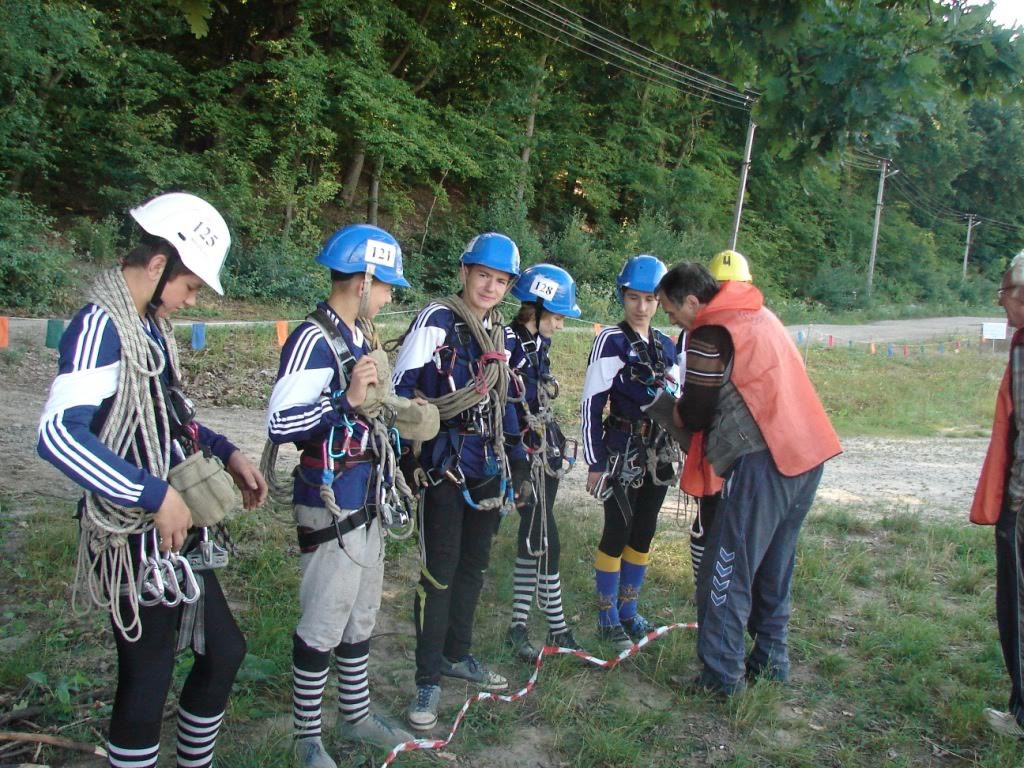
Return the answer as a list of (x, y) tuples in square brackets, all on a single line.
[(364, 248), (641, 273), (550, 286), (493, 250)]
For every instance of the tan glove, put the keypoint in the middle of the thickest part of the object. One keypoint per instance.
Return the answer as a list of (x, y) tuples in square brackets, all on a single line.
[(415, 421)]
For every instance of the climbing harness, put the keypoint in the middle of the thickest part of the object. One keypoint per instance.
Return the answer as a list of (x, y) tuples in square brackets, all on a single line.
[(476, 408)]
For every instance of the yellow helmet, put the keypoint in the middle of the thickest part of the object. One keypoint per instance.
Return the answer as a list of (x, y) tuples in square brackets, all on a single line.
[(730, 265)]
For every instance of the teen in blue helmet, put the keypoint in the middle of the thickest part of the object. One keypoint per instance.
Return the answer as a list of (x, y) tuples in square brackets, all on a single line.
[(364, 248), (325, 376), (494, 250), (548, 294), (457, 354), (641, 273), (630, 365), (550, 287)]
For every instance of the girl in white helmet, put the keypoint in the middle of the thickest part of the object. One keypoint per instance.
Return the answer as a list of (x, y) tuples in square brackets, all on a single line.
[(118, 424)]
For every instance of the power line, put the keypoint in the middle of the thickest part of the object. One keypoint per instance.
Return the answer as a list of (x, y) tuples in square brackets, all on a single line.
[(673, 62), (629, 58), (629, 61), (674, 68)]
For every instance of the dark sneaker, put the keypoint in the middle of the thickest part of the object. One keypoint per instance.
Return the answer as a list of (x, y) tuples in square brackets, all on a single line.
[(637, 628), (615, 635), (468, 668), (564, 639), (374, 729), (310, 753), (422, 710), (1003, 723), (703, 686), (519, 641)]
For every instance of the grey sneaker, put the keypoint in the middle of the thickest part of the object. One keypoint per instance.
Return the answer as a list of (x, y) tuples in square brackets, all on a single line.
[(422, 710), (310, 753), (1003, 723), (468, 668), (615, 635), (519, 641), (375, 729)]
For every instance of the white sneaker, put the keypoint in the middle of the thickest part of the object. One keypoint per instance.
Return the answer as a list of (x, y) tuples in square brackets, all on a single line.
[(1003, 723), (310, 753)]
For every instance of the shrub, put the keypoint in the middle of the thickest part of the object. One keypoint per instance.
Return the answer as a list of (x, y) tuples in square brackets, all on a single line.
[(34, 268)]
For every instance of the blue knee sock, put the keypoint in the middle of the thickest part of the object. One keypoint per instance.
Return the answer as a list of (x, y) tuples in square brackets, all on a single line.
[(634, 569)]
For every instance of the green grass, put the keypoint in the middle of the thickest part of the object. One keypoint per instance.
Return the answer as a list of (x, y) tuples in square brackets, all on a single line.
[(917, 396), (893, 642)]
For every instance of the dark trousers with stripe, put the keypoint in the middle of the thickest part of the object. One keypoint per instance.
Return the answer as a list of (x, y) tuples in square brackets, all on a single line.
[(1010, 600), (744, 580), (457, 548)]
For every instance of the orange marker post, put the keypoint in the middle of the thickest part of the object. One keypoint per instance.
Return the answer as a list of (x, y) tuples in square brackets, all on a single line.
[(597, 328), (282, 332), (5, 325)]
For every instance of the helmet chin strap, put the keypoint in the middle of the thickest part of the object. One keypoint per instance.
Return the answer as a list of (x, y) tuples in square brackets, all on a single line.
[(157, 298), (538, 310)]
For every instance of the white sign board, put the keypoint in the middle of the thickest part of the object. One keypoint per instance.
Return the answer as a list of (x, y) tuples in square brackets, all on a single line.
[(993, 331)]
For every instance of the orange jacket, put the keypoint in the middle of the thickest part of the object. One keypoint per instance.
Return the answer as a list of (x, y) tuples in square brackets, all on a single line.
[(988, 496), (770, 376)]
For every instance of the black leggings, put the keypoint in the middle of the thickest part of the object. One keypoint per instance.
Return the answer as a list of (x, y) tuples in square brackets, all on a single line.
[(646, 503), (531, 534), (144, 668)]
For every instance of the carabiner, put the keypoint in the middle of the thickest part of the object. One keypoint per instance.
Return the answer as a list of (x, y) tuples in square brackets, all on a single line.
[(149, 581), (191, 593), (329, 445), (171, 582)]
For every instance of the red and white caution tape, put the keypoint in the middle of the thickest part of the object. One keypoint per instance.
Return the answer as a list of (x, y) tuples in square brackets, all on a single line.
[(547, 650)]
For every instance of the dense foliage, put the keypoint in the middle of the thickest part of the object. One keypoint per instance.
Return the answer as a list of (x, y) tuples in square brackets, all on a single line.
[(441, 119)]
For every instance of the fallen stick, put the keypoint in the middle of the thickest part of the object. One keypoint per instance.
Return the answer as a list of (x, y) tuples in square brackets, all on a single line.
[(53, 741)]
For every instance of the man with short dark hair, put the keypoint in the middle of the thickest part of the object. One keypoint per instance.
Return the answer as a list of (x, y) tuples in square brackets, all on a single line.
[(766, 433), (1000, 496)]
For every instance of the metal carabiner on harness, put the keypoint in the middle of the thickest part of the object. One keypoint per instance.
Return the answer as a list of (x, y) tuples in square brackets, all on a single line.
[(149, 581), (444, 358), (171, 583), (183, 574)]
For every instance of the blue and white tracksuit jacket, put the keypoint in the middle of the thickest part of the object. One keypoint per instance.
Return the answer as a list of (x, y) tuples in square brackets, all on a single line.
[(78, 406), (608, 379), (415, 370), (301, 412)]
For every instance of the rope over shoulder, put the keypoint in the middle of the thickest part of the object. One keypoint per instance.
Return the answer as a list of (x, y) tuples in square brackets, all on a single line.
[(137, 428)]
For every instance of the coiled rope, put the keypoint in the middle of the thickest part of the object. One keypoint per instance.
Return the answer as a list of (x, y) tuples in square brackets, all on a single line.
[(137, 429)]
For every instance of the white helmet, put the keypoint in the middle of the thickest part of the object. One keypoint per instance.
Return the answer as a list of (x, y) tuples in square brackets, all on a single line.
[(193, 227)]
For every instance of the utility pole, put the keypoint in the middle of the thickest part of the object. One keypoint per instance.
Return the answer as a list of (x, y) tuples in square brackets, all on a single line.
[(971, 219), (878, 221), (744, 169)]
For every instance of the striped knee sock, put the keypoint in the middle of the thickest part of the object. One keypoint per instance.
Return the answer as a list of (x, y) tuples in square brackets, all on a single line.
[(550, 589), (142, 757), (310, 668), (197, 736), (353, 683), (524, 583)]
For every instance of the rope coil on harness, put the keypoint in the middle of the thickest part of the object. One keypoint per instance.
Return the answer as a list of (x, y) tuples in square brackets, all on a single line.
[(490, 385), (137, 429)]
